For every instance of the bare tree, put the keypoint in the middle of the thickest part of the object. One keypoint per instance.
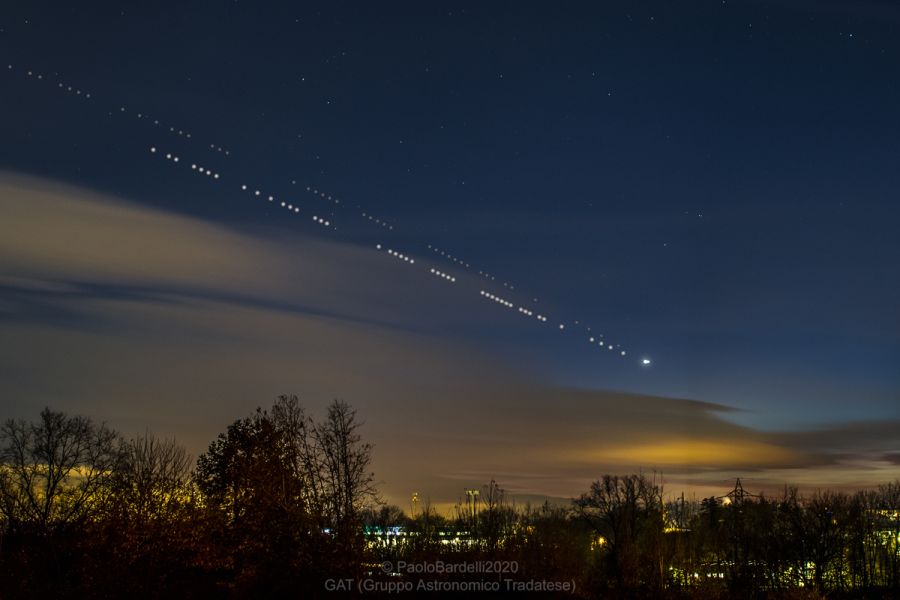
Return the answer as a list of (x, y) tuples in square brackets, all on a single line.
[(626, 514), (152, 527), (824, 532), (496, 519), (348, 482), (301, 453), (289, 493), (152, 478), (54, 472)]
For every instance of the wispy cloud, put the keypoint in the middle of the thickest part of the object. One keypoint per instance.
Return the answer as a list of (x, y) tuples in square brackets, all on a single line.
[(147, 318)]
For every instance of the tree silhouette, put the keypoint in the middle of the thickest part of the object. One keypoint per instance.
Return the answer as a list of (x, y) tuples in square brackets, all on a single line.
[(281, 502), (53, 482), (54, 471), (627, 513), (150, 526), (290, 493), (348, 484)]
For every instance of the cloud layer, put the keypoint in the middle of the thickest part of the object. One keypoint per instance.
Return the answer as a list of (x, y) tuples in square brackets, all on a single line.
[(152, 319)]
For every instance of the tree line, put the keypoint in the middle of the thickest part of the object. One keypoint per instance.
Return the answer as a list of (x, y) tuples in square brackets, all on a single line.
[(282, 503), (273, 503)]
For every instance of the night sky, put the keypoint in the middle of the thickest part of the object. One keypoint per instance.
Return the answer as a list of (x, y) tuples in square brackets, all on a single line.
[(712, 186)]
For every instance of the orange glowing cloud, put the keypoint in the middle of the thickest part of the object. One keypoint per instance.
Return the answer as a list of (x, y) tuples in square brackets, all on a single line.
[(692, 453)]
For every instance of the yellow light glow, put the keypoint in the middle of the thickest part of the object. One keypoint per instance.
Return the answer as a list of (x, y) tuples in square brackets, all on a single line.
[(708, 453)]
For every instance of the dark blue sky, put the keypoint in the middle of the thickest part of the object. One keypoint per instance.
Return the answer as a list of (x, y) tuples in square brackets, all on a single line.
[(711, 184)]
